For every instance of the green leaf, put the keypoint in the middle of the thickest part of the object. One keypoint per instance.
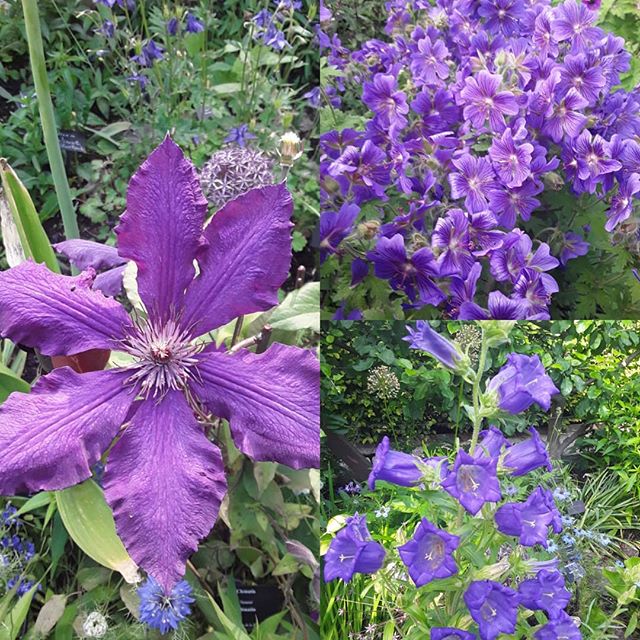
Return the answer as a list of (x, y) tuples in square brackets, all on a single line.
[(89, 521), (10, 626), (299, 310), (41, 499), (10, 382), (33, 238)]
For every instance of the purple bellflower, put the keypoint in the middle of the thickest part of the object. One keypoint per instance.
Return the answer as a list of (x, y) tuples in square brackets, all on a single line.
[(473, 481), (429, 554), (491, 443), (394, 466), (561, 627), (529, 521), (450, 633), (524, 457), (352, 551), (546, 591), (164, 479), (424, 338), (522, 382), (483, 101), (193, 24), (493, 606)]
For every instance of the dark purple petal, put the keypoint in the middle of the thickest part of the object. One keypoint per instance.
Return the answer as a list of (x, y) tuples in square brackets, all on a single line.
[(493, 606), (162, 226), (51, 437), (450, 633), (85, 253), (110, 282), (60, 315), (246, 259), (164, 481), (394, 466), (546, 591), (424, 338), (271, 401)]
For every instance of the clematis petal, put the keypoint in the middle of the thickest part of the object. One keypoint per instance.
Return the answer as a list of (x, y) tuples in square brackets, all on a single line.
[(162, 227), (164, 481), (50, 438), (60, 315), (246, 260), (86, 253), (271, 400)]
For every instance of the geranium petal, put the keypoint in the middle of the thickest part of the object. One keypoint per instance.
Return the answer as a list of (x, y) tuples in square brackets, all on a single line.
[(164, 481), (162, 227), (60, 315), (49, 438), (272, 402), (246, 260)]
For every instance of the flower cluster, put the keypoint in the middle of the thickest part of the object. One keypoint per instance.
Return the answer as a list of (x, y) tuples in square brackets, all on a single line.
[(161, 611), (475, 109), (474, 479), (383, 383), (16, 551)]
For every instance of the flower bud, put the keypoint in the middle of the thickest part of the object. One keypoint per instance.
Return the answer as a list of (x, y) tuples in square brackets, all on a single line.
[(290, 148)]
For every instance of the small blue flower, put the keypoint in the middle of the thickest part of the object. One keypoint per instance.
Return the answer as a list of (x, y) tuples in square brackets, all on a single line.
[(193, 24), (604, 539), (7, 516), (172, 26), (313, 97), (567, 521), (619, 564), (140, 78), (511, 490), (560, 493), (161, 611), (568, 540), (239, 135), (552, 547)]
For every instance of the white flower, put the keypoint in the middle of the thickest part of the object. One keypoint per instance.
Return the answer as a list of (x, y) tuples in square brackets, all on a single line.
[(95, 626)]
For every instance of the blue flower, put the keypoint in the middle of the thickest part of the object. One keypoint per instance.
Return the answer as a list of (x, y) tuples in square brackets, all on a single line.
[(107, 29), (239, 135), (172, 26), (193, 24), (313, 97), (163, 612)]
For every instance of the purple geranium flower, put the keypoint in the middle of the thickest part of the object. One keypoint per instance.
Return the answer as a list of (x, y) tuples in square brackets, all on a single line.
[(574, 246), (593, 156), (561, 627), (482, 100), (473, 481), (522, 382), (546, 591), (475, 181), (383, 98), (452, 244), (493, 606), (394, 466), (413, 274), (622, 201), (352, 551), (509, 204), (429, 554), (502, 16), (585, 77), (529, 521), (164, 478), (528, 455), (566, 117), (573, 21), (500, 308), (511, 161), (428, 64), (335, 227), (427, 339), (450, 633)]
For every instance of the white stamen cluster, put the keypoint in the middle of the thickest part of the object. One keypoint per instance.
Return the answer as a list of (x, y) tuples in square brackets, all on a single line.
[(165, 357)]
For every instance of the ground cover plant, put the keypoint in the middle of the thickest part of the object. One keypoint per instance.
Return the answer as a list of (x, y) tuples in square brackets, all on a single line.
[(479, 160), (146, 490), (480, 535)]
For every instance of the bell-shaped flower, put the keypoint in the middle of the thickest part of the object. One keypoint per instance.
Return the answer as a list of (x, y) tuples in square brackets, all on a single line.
[(546, 592), (528, 455), (493, 606), (473, 481), (394, 466), (164, 478), (450, 633), (352, 551), (491, 443), (529, 521), (429, 554), (521, 383), (563, 627), (424, 338)]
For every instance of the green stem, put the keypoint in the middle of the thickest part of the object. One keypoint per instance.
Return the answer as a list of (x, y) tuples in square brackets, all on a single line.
[(47, 118), (477, 420)]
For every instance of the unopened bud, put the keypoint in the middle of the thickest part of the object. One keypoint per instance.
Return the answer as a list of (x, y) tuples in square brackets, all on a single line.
[(368, 229)]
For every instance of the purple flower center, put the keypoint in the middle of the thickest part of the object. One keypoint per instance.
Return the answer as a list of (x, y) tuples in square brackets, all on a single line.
[(467, 478)]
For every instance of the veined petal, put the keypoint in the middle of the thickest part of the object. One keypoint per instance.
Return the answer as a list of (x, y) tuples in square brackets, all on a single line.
[(60, 315), (50, 438), (272, 402), (246, 260), (162, 226), (86, 253), (164, 481)]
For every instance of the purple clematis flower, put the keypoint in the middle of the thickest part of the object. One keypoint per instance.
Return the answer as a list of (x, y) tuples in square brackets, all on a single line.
[(429, 554), (529, 521), (352, 551), (473, 481), (483, 101), (85, 254), (511, 161), (424, 338), (335, 227), (394, 466), (164, 478), (522, 382), (573, 21), (546, 591), (528, 455), (561, 627), (493, 606), (475, 181), (450, 633), (412, 274)]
